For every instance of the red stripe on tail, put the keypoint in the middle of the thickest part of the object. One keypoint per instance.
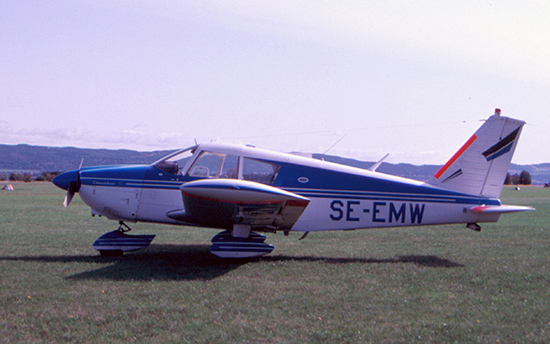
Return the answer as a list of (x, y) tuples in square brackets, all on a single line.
[(455, 157)]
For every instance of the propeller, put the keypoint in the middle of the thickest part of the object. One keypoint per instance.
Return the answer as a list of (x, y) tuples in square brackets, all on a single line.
[(69, 181)]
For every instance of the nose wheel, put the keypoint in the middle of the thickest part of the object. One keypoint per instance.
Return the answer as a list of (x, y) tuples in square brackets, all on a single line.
[(117, 242)]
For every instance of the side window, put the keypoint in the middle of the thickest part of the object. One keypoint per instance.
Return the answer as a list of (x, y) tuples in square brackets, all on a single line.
[(259, 171), (207, 165), (230, 167)]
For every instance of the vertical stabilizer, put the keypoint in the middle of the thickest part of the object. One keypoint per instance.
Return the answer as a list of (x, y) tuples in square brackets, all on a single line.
[(480, 165)]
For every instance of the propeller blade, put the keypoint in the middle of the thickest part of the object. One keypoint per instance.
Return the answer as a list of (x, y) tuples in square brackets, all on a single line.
[(68, 198), (71, 190)]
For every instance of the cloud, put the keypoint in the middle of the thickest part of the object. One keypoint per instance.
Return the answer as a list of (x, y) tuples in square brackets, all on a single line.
[(47, 137), (81, 137)]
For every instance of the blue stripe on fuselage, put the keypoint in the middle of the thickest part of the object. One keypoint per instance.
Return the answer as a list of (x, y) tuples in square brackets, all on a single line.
[(130, 176), (322, 183)]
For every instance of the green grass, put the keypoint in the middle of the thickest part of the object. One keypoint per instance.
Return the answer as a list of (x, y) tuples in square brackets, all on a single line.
[(441, 284)]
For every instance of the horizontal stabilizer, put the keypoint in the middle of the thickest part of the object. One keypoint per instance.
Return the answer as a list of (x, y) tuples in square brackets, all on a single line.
[(500, 209)]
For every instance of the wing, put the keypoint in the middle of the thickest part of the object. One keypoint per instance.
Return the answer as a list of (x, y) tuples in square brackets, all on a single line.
[(223, 203)]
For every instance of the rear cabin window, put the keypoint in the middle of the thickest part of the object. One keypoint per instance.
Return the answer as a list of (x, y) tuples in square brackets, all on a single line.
[(259, 171)]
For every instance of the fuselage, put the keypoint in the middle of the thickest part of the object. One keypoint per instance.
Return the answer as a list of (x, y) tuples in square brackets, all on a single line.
[(341, 197)]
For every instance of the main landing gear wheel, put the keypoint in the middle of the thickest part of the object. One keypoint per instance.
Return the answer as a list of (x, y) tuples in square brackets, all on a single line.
[(225, 245), (474, 226), (117, 242)]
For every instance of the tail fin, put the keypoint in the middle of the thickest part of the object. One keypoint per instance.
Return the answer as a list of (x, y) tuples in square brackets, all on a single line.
[(480, 166)]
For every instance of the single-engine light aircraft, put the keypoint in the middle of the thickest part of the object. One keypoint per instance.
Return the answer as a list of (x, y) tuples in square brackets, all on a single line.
[(242, 190)]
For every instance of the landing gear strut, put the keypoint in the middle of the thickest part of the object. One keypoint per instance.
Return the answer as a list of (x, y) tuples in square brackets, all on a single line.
[(122, 227)]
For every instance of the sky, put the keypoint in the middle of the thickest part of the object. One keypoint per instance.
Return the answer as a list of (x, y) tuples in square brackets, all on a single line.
[(353, 78)]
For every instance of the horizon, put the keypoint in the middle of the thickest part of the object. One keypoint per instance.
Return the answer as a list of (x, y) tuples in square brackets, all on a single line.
[(288, 152)]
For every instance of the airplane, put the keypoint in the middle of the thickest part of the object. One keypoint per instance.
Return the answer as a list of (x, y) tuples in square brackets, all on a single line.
[(243, 190)]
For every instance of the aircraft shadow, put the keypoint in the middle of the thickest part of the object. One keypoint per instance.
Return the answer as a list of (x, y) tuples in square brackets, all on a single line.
[(195, 262), (157, 262), (163, 262), (422, 261)]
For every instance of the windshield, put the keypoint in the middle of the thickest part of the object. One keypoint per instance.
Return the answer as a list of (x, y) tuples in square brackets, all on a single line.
[(175, 162)]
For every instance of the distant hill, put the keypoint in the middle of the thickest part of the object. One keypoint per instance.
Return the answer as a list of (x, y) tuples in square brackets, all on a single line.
[(39, 159), (540, 173), (53, 159), (423, 172)]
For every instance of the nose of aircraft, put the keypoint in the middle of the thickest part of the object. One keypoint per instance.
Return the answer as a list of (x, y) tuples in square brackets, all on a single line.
[(64, 180), (69, 181)]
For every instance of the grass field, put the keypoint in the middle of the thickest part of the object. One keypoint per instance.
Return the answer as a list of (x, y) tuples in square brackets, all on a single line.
[(442, 284)]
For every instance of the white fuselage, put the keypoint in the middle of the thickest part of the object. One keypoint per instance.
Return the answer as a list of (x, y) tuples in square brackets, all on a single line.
[(341, 197)]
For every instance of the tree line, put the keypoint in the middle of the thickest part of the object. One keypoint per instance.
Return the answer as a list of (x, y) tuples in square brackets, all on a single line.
[(27, 177), (524, 178)]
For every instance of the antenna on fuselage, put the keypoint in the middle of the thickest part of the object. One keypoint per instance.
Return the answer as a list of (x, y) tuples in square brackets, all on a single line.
[(335, 143)]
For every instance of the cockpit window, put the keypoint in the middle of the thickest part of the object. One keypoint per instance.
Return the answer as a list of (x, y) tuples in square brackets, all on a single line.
[(175, 162), (215, 165), (207, 165), (259, 171)]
